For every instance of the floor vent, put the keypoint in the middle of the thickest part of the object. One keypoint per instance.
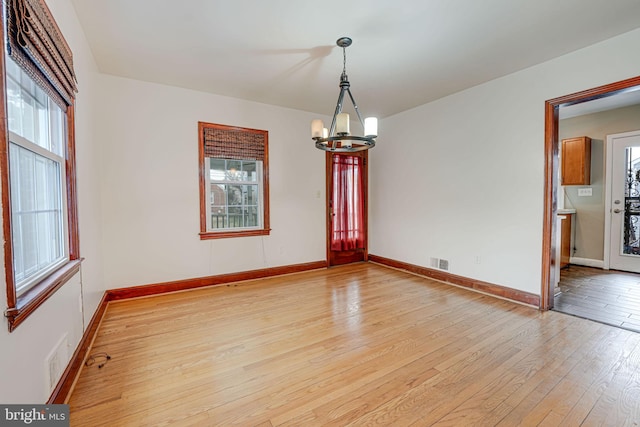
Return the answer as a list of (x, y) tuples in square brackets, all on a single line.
[(55, 363), (440, 264)]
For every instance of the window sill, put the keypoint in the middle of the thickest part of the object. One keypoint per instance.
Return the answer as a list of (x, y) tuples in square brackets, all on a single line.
[(208, 235), (37, 295)]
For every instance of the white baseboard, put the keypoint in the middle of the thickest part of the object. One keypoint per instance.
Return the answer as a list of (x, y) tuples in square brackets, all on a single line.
[(587, 262)]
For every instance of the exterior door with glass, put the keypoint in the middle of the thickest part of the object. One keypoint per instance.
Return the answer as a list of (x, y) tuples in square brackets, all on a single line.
[(346, 207), (623, 202)]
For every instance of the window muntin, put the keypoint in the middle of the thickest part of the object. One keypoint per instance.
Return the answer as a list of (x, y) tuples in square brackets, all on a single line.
[(37, 133)]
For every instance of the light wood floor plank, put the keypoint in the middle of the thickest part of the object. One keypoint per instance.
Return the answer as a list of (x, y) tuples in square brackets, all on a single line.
[(353, 345)]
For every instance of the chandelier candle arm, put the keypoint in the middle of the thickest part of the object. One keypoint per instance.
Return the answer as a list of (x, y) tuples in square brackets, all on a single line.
[(338, 138)]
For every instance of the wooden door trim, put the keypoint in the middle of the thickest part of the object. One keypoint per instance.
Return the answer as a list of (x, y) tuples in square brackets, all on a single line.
[(551, 172)]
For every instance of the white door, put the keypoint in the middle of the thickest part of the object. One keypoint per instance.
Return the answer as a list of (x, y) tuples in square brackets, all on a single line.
[(623, 201)]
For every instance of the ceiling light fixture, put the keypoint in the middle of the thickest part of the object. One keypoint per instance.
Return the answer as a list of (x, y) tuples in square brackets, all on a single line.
[(339, 138)]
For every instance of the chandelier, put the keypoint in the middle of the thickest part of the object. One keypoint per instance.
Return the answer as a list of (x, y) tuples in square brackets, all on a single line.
[(338, 137)]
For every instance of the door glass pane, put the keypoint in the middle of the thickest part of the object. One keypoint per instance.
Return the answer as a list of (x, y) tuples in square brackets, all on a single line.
[(630, 232)]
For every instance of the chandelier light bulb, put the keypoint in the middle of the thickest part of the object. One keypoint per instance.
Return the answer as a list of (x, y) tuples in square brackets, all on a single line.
[(342, 124), (371, 126), (316, 128)]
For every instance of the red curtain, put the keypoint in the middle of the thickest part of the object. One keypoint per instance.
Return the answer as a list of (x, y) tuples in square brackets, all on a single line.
[(347, 203)]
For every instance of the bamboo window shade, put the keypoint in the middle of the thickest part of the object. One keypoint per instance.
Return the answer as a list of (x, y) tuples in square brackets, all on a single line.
[(36, 44), (234, 143)]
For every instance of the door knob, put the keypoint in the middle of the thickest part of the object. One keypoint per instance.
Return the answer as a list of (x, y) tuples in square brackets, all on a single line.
[(617, 210)]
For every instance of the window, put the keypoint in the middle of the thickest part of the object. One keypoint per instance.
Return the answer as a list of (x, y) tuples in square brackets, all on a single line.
[(37, 166), (234, 189), (37, 176)]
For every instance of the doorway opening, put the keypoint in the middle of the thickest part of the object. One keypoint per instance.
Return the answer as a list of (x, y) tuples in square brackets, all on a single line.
[(550, 271), (347, 206)]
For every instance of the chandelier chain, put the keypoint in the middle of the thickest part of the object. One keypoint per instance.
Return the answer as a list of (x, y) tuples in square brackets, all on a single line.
[(344, 60)]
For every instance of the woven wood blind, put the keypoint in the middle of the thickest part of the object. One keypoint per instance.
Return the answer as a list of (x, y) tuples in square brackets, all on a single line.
[(36, 44), (234, 143)]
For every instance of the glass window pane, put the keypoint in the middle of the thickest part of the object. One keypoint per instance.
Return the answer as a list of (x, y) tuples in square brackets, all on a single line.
[(234, 203), (217, 168), (252, 195), (36, 213), (42, 125), (26, 82), (12, 68), (29, 246), (14, 106), (249, 170), (218, 206), (28, 113), (234, 170), (58, 129), (32, 114), (234, 195)]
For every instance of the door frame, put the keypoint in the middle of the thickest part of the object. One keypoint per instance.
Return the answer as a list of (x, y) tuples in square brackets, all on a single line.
[(329, 192), (608, 183), (551, 148)]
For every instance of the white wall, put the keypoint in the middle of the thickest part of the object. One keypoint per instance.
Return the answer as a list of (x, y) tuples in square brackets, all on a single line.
[(462, 177), (149, 139), (23, 374)]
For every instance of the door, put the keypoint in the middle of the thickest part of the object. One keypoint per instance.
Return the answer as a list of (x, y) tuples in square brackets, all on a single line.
[(623, 202), (346, 207)]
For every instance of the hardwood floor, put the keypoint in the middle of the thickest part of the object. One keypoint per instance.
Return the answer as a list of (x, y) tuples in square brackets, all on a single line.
[(354, 345), (607, 296)]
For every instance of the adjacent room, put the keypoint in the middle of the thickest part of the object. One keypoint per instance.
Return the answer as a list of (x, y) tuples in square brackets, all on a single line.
[(597, 210), (288, 213)]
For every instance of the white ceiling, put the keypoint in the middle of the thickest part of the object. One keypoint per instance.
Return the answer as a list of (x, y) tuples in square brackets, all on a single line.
[(405, 52)]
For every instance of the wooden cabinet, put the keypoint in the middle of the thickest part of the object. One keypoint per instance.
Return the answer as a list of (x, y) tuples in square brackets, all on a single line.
[(576, 161), (565, 241)]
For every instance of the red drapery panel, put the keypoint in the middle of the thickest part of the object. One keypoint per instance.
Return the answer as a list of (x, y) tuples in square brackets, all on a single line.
[(348, 203)]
